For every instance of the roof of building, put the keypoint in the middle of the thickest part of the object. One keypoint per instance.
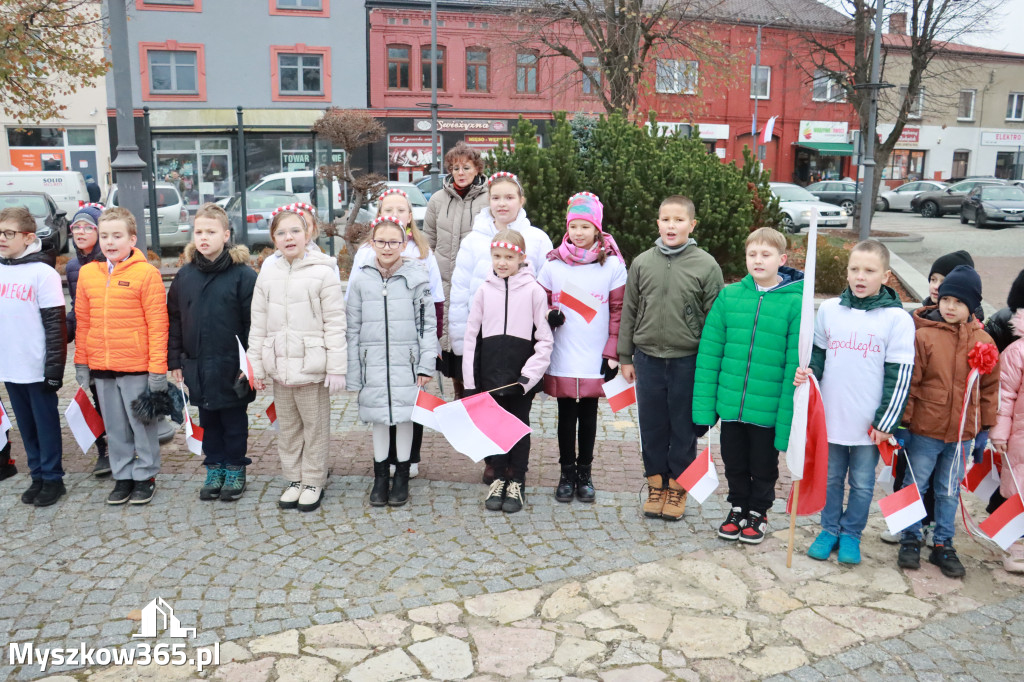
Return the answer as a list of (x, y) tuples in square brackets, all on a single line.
[(898, 40)]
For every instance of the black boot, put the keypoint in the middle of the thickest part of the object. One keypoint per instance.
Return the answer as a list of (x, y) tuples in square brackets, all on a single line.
[(566, 483), (379, 492), (400, 487), (584, 485)]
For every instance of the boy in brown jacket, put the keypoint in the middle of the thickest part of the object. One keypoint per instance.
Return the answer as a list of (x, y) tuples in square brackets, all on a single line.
[(946, 334)]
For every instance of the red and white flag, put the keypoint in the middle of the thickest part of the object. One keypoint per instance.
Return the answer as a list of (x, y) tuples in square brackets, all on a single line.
[(244, 365), (700, 478), (620, 393), (423, 410), (890, 451), (478, 426), (85, 422), (5, 425), (1006, 525), (577, 298), (769, 128), (193, 435), (272, 415), (902, 508), (982, 479)]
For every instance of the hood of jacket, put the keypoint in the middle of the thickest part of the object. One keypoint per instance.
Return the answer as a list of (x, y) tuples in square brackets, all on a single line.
[(414, 272), (1017, 323), (33, 254), (930, 317), (309, 259), (517, 281), (789, 276), (134, 258), (95, 254), (238, 252), (484, 222), (478, 186), (885, 298)]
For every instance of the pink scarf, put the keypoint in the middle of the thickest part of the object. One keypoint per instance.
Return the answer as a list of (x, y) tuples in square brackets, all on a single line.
[(569, 253)]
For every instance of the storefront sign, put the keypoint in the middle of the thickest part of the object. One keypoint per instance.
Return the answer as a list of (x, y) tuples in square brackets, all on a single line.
[(909, 137), (485, 143), (708, 131), (301, 159), (1002, 139), (37, 159), (823, 131), (460, 124), (410, 156)]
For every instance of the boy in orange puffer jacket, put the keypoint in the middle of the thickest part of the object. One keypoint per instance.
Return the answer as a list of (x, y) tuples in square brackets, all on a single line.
[(121, 341)]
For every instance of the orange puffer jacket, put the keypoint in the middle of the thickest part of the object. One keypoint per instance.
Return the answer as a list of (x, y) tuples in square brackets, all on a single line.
[(122, 317)]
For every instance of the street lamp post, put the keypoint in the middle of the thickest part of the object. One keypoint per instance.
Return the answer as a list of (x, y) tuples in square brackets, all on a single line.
[(434, 170), (871, 138)]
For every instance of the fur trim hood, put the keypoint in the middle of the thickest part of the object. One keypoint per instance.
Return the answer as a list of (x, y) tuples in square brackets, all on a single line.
[(239, 253)]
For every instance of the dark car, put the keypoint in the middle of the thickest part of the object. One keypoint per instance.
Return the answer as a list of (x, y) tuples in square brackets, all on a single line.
[(51, 221), (838, 192), (259, 206), (935, 204), (989, 204)]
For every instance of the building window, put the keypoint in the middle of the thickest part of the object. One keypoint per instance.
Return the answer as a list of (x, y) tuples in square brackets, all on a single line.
[(591, 80), (398, 67), (300, 74), (173, 73), (965, 109), (916, 106), (302, 8), (1015, 107), (315, 5), (826, 89), (961, 159), (477, 61), (676, 76), (425, 66), (526, 72), (760, 82), (170, 5)]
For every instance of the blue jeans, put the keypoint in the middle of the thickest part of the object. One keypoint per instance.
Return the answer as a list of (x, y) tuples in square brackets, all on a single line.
[(664, 402), (930, 456), (35, 408), (859, 461)]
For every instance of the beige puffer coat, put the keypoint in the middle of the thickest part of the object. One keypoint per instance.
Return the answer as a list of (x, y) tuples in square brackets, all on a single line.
[(297, 332)]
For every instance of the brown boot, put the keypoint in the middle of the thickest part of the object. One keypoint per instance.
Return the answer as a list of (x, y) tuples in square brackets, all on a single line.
[(655, 496), (675, 501)]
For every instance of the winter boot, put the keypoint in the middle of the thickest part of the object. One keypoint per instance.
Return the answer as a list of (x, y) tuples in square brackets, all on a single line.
[(656, 492), (584, 485), (399, 486), (675, 501), (234, 483), (381, 480), (102, 467), (214, 482), (946, 559), (566, 484), (51, 492)]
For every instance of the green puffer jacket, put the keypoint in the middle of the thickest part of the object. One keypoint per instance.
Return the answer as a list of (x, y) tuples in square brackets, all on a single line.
[(748, 356)]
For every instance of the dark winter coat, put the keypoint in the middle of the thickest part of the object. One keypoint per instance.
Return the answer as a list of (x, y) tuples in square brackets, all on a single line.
[(998, 327), (208, 305), (71, 271)]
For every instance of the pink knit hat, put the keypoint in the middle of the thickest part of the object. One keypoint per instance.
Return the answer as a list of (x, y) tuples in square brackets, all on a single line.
[(585, 206)]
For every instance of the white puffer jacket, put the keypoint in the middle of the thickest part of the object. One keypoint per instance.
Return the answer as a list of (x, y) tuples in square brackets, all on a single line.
[(297, 333), (473, 266)]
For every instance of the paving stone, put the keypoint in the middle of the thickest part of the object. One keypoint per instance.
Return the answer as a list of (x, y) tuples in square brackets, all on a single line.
[(649, 620), (612, 588), (868, 622), (773, 660), (392, 665), (565, 601), (574, 650), (345, 658), (817, 634), (505, 607), (511, 651), (304, 669), (445, 658), (286, 642), (699, 637), (436, 614), (639, 673)]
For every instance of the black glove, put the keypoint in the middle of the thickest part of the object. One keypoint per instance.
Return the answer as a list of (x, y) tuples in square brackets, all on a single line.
[(52, 385), (609, 373), (556, 318), (701, 430)]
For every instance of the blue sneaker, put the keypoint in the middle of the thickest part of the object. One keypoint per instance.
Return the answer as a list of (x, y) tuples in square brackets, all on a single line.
[(849, 549), (823, 546)]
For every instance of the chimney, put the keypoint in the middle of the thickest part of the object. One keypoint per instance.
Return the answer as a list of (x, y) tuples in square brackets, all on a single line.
[(898, 23)]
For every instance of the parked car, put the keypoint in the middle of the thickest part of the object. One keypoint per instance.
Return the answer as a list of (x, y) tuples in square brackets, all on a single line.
[(428, 185), (416, 198), (988, 204), (797, 205), (51, 220), (259, 205), (172, 213), (66, 188), (299, 183), (899, 199), (938, 202)]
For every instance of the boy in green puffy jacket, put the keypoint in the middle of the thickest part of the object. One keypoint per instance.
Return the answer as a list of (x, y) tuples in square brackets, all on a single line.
[(745, 367)]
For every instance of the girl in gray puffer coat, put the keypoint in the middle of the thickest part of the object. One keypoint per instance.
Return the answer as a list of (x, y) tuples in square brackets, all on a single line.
[(391, 350)]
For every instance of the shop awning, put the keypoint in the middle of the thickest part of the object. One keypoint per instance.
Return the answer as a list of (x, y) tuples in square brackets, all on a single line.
[(829, 148)]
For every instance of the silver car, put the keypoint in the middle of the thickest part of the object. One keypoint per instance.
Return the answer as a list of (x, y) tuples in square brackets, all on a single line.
[(259, 206), (797, 205), (172, 215), (899, 199)]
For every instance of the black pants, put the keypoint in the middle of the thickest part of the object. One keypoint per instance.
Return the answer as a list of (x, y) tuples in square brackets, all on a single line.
[(751, 465), (899, 471), (664, 404), (417, 441), (225, 436), (570, 412), (514, 464)]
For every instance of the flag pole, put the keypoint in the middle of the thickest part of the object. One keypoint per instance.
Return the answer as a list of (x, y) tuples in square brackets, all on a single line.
[(792, 524), (491, 390)]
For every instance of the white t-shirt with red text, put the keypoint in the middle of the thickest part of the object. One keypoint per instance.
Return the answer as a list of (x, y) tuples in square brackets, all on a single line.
[(25, 289)]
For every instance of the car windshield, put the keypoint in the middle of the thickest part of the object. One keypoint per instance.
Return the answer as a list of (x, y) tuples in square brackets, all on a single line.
[(257, 203), (1002, 193), (792, 193), (36, 205)]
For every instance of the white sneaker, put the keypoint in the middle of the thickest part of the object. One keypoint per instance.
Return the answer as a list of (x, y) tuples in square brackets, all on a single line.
[(891, 539), (290, 496), (414, 470), (310, 498)]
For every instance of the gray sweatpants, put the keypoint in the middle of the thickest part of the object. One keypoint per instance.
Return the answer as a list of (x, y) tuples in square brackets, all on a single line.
[(134, 447)]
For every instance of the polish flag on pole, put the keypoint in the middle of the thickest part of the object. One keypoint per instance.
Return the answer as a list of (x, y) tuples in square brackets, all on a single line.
[(982, 479), (902, 508), (478, 427), (272, 416), (244, 365), (769, 128), (5, 425), (85, 422), (193, 435), (423, 410), (620, 393), (1006, 524), (582, 301), (700, 478)]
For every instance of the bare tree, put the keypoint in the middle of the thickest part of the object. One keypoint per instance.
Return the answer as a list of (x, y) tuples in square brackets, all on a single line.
[(48, 50)]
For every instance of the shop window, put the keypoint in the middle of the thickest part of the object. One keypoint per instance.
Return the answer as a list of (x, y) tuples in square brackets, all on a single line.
[(960, 161), (81, 137), (300, 73), (1015, 107), (170, 5), (676, 76), (35, 137), (965, 108), (905, 164), (398, 67), (760, 82), (826, 89), (526, 72), (302, 8), (425, 66), (173, 71), (916, 105), (591, 80), (477, 65)]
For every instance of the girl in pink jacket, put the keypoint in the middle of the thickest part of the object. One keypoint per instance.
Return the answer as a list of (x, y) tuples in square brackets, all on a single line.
[(1007, 435), (507, 347)]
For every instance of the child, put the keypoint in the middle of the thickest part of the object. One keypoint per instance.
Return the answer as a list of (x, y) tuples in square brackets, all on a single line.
[(508, 341), (669, 292), (121, 342), (32, 363), (945, 335), (87, 249), (584, 356), (297, 338), (863, 356), (208, 305), (1008, 433), (748, 355), (391, 328), (308, 214)]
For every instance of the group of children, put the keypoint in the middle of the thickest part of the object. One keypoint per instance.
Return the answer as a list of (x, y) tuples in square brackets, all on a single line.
[(697, 352)]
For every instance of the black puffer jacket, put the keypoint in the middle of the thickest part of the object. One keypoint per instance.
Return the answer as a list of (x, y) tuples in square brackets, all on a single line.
[(71, 271), (998, 327), (55, 330), (208, 305)]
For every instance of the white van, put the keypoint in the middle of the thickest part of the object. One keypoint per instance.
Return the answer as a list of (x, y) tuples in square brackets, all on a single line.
[(299, 183), (66, 187)]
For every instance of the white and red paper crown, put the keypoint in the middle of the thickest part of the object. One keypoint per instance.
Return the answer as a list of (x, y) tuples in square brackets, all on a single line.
[(393, 220), (506, 245), (294, 208), (504, 175), (393, 190)]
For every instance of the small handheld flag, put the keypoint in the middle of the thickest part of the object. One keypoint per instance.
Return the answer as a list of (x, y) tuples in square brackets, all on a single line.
[(902, 508), (982, 478), (423, 410), (700, 478), (272, 415), (478, 426), (193, 433), (5, 426), (580, 300), (85, 422), (620, 393), (1006, 524), (244, 365)]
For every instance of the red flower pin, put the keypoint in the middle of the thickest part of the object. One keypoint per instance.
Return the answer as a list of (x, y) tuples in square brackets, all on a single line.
[(983, 357)]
